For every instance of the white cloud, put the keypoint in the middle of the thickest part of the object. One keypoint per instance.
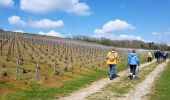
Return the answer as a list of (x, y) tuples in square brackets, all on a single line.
[(155, 33), (16, 20), (6, 3), (20, 31), (114, 26), (129, 37), (70, 6), (167, 33), (119, 37), (51, 33), (43, 23), (80, 9), (161, 35), (46, 23)]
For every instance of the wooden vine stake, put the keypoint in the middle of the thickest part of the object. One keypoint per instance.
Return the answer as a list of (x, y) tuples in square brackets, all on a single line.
[(55, 65), (37, 69), (17, 68)]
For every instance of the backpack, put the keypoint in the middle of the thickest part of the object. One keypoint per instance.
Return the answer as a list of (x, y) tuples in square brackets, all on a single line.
[(164, 54), (112, 57)]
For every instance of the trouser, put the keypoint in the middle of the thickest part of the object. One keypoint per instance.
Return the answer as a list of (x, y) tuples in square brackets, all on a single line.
[(112, 70), (133, 69), (164, 57), (158, 59), (149, 59)]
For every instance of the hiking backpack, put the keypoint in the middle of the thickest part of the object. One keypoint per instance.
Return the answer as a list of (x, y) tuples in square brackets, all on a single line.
[(112, 57), (164, 54)]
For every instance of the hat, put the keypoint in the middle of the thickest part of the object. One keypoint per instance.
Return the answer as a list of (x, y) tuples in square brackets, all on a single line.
[(134, 50)]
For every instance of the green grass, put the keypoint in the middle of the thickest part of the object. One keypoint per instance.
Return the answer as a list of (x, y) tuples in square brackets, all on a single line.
[(40, 91), (161, 89), (4, 84)]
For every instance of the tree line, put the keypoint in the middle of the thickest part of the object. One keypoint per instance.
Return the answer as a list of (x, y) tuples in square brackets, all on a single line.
[(124, 43)]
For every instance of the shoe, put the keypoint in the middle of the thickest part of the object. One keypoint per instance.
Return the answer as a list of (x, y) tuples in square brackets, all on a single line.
[(114, 76), (131, 77), (111, 78)]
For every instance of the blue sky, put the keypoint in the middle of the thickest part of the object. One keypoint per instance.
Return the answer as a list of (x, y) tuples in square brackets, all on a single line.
[(147, 20)]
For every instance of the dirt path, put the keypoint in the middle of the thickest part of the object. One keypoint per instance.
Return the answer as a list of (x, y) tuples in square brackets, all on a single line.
[(96, 86), (142, 89)]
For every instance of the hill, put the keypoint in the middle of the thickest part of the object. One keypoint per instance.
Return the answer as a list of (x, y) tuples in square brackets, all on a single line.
[(31, 64)]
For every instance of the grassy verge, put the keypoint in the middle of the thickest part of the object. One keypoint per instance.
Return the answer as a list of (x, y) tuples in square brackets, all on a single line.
[(40, 91), (120, 88), (161, 89)]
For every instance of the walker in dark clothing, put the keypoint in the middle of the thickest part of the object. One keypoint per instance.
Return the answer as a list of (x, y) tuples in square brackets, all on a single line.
[(158, 56), (165, 56)]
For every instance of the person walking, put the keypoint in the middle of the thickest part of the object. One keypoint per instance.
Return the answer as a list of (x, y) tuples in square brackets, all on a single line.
[(164, 55), (158, 55), (133, 61), (149, 55), (167, 55), (112, 58)]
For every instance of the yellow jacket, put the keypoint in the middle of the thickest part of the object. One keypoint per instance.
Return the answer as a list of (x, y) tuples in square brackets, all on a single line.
[(113, 62)]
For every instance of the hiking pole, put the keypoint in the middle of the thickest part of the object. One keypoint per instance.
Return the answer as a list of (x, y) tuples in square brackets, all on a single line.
[(126, 72)]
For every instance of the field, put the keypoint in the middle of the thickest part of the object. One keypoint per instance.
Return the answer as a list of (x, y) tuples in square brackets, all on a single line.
[(34, 66)]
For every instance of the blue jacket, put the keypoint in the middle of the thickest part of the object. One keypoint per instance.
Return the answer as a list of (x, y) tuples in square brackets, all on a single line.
[(133, 59)]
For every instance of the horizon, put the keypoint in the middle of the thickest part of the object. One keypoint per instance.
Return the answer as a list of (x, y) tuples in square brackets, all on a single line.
[(145, 20)]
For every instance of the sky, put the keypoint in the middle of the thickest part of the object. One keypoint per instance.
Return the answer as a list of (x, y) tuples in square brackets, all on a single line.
[(146, 20)]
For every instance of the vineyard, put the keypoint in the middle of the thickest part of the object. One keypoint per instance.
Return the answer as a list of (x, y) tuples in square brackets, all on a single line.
[(28, 58)]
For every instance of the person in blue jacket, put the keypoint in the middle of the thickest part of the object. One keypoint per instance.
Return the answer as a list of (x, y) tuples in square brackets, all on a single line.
[(133, 61)]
